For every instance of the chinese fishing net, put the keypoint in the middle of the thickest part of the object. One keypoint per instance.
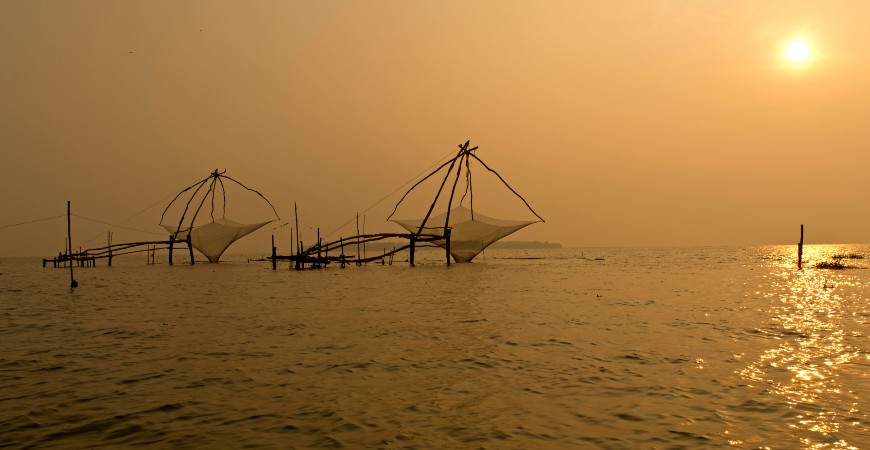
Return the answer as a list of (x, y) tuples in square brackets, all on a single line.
[(469, 236), (211, 238)]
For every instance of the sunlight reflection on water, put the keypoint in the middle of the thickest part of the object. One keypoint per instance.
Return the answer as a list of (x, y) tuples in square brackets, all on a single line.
[(811, 327)]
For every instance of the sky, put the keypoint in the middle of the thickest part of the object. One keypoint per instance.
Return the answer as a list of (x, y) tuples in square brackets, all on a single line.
[(623, 123)]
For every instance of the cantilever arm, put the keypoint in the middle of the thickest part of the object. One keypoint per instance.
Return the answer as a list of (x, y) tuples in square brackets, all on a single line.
[(450, 161), (179, 195), (254, 191), (508, 186)]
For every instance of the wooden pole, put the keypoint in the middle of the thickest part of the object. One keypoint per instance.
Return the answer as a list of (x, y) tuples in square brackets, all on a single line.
[(447, 232), (274, 251), (341, 244), (298, 242), (358, 254), (190, 247), (291, 245), (801, 249), (110, 249), (171, 245), (364, 232), (72, 282), (411, 258)]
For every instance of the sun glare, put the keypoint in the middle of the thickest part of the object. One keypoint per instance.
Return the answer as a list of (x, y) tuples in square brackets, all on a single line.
[(798, 51)]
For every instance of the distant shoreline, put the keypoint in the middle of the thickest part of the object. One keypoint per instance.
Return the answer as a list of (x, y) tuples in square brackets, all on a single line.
[(505, 245)]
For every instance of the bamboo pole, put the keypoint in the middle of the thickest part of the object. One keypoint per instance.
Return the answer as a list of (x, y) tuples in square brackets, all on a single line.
[(341, 245), (447, 232), (801, 249), (110, 249), (72, 282), (364, 232), (190, 247), (358, 253), (274, 254), (298, 241)]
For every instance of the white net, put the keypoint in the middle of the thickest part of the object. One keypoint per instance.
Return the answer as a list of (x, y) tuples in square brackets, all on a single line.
[(468, 236), (213, 238)]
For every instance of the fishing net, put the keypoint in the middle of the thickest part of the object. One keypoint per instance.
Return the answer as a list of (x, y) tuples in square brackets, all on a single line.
[(469, 236), (210, 238), (213, 238)]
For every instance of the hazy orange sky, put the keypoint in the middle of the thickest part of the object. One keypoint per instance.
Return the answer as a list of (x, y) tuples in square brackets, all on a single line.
[(622, 123)]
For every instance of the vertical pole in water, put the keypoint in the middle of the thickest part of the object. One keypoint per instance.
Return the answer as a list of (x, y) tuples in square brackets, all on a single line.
[(72, 281), (190, 247), (447, 232), (413, 240), (801, 248), (298, 242), (364, 232), (341, 245), (274, 261), (358, 254), (171, 246), (319, 245), (110, 249)]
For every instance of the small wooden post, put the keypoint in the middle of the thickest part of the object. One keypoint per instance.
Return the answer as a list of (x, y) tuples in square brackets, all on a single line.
[(358, 253), (801, 249), (447, 243), (298, 264), (341, 244), (171, 245), (110, 249), (274, 251), (365, 257), (190, 248), (411, 258), (72, 282)]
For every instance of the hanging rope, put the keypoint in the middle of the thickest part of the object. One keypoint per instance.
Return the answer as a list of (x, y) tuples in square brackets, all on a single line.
[(32, 221), (391, 194), (113, 225), (508, 186)]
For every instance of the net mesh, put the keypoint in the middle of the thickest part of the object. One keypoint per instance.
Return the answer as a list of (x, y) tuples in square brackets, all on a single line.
[(468, 237), (213, 238)]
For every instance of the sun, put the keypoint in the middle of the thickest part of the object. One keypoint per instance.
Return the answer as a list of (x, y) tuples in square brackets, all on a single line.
[(798, 51)]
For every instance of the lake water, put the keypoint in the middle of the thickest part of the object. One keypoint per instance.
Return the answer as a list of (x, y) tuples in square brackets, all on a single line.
[(584, 348)]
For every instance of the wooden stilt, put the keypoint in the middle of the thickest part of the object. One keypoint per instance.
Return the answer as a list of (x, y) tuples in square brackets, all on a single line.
[(411, 257), (274, 254), (72, 282), (801, 249), (298, 264), (365, 258), (447, 232), (190, 248), (171, 245), (110, 249), (341, 244), (358, 253)]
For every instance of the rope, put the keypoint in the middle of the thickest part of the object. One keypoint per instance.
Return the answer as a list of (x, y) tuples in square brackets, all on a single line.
[(391, 193), (32, 221), (115, 225)]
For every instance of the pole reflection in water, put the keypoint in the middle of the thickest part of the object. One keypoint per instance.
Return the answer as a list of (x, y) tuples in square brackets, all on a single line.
[(817, 323)]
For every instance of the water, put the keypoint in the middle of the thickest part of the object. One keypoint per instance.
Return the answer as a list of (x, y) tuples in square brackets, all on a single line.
[(586, 348)]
